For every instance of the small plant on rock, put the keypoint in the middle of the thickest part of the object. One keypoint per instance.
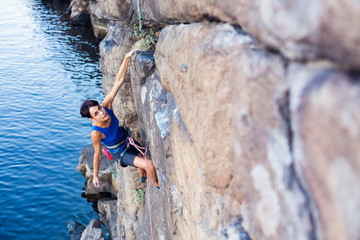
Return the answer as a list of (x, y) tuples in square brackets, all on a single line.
[(146, 38), (139, 196)]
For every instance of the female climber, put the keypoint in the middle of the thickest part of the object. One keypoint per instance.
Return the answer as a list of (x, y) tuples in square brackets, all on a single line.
[(106, 129)]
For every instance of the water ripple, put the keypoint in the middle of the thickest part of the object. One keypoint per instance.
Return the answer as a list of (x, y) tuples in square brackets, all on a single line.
[(47, 68)]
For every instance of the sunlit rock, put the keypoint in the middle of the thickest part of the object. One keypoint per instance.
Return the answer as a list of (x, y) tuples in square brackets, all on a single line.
[(326, 126), (108, 215), (93, 231), (251, 137)]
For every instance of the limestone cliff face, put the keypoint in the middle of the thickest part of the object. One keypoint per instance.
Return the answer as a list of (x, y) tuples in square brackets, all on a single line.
[(252, 112)]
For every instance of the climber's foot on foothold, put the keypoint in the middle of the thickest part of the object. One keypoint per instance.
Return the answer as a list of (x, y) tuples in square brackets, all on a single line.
[(143, 179), (158, 187)]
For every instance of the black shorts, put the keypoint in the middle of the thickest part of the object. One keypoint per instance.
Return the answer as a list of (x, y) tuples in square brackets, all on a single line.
[(128, 157)]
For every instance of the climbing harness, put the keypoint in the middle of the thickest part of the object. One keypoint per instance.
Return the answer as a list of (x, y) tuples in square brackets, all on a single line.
[(132, 142), (140, 19)]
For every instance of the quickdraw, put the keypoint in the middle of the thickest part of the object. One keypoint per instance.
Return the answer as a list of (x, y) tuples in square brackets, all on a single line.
[(140, 18)]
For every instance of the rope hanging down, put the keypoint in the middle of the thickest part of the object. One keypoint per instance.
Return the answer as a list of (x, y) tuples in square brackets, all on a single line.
[(140, 19), (132, 142)]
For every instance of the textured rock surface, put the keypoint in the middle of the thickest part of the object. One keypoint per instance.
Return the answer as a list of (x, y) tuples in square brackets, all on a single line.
[(200, 78), (93, 231), (326, 123), (108, 215), (191, 178), (99, 26), (112, 9), (79, 11), (300, 30), (305, 30), (127, 182), (175, 12), (275, 205), (162, 104), (83, 11), (245, 140)]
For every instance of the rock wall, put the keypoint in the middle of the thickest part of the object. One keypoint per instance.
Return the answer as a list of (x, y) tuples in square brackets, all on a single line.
[(252, 112)]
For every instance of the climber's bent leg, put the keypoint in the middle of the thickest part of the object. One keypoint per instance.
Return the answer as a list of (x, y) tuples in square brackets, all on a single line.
[(135, 159), (139, 162)]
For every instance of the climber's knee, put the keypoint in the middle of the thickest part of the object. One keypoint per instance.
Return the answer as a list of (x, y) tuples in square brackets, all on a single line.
[(150, 165), (140, 163)]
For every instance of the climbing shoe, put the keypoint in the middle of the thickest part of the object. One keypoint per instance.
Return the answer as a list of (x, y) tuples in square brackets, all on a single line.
[(143, 179), (158, 187)]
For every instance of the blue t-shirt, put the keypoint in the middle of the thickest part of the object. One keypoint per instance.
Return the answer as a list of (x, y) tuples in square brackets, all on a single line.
[(114, 133)]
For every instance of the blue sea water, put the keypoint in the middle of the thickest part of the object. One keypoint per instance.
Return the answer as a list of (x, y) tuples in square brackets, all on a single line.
[(47, 67)]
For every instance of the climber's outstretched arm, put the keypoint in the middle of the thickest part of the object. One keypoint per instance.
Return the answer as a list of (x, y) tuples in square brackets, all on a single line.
[(96, 138), (107, 102)]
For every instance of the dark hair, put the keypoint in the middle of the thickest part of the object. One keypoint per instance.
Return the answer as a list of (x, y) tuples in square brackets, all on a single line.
[(87, 104)]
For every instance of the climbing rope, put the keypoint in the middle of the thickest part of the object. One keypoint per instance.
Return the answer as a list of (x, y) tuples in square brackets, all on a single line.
[(132, 142), (140, 19)]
